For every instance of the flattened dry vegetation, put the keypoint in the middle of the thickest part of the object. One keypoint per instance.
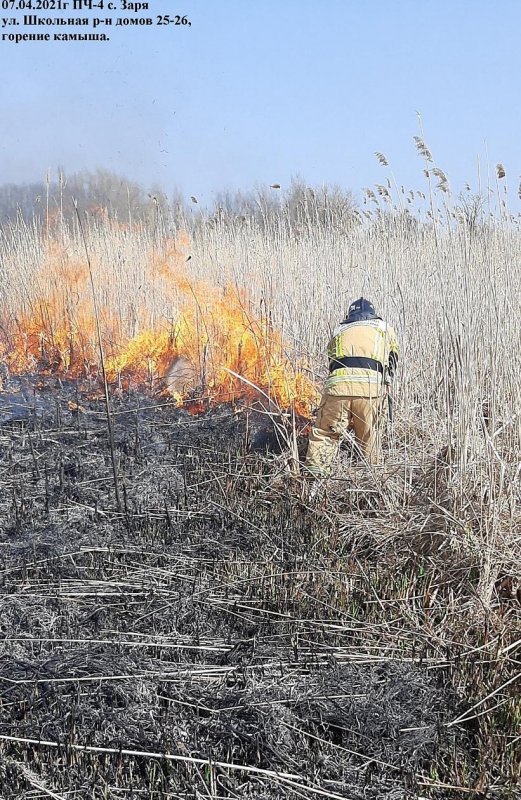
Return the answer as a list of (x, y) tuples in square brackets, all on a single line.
[(218, 635)]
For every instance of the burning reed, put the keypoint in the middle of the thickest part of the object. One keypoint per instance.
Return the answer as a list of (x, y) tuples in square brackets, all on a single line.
[(222, 345)]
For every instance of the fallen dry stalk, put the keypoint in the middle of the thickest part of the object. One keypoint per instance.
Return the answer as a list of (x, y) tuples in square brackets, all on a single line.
[(281, 777)]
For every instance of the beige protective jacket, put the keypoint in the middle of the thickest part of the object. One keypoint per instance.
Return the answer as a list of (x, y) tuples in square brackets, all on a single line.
[(363, 357)]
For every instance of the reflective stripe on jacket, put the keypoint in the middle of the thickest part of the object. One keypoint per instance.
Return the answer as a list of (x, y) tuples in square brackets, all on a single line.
[(370, 339)]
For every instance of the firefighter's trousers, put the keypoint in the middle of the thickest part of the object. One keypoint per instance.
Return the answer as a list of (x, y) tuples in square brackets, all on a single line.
[(336, 415)]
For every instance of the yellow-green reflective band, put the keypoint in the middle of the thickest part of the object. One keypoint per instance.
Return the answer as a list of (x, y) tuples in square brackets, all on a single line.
[(356, 374), (334, 379), (336, 348)]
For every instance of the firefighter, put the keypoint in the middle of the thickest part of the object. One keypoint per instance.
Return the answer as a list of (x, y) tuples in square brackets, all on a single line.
[(363, 354)]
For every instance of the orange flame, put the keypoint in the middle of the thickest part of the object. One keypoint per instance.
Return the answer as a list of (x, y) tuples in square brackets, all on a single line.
[(227, 352)]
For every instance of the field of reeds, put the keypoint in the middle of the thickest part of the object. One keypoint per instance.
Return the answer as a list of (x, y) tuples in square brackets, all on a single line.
[(180, 621)]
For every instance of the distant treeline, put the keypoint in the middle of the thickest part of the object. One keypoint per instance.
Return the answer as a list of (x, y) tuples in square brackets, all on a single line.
[(105, 195), (101, 193)]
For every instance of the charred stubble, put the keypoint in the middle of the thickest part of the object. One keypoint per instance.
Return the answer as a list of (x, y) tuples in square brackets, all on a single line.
[(217, 617)]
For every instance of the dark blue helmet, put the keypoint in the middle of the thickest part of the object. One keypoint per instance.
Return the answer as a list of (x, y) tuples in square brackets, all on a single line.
[(361, 309)]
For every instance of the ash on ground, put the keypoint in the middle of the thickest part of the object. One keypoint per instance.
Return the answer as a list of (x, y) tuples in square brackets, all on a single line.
[(205, 617)]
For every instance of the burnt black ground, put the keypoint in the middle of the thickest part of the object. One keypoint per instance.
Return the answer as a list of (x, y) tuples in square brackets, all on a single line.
[(196, 620)]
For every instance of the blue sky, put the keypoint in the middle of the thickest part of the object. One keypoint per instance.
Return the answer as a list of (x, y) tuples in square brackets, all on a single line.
[(258, 91)]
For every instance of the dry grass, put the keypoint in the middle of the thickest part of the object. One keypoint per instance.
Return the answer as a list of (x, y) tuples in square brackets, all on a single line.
[(431, 543)]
